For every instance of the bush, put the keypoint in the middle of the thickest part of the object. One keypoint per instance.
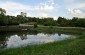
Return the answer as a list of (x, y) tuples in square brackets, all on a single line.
[(35, 26)]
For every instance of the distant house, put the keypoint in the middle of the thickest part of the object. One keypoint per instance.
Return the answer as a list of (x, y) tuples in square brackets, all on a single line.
[(19, 15), (22, 14)]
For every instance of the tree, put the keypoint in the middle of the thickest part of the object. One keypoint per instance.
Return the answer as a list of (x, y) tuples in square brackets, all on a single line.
[(80, 22), (3, 19), (20, 19), (62, 21), (2, 11), (73, 21)]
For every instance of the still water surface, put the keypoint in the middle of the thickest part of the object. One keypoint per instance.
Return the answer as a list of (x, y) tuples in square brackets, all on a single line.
[(13, 40)]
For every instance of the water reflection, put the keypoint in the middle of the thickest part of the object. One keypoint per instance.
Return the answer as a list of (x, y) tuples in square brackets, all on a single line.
[(59, 34), (12, 40)]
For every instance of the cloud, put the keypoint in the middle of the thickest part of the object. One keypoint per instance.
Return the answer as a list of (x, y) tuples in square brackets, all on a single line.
[(42, 15), (75, 8), (14, 7), (75, 11), (48, 5), (13, 14), (45, 8), (50, 1), (19, 6), (76, 5), (55, 18)]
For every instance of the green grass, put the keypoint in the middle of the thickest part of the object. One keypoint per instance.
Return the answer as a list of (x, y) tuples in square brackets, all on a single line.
[(47, 29), (54, 29), (13, 28), (66, 47)]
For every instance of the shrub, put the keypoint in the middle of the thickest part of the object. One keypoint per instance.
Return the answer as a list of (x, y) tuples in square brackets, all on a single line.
[(35, 26)]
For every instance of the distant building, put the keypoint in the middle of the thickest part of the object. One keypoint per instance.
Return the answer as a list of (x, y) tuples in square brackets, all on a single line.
[(23, 14), (19, 15)]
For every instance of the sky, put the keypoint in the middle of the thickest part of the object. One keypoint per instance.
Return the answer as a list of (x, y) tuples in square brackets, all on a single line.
[(45, 8)]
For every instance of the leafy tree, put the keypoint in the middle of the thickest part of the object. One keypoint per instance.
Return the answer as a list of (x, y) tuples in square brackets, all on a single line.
[(80, 22), (62, 21), (73, 21), (2, 11), (20, 19)]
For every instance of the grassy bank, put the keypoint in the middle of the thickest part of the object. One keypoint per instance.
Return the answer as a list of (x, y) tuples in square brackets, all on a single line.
[(13, 28), (65, 47), (47, 29), (52, 29)]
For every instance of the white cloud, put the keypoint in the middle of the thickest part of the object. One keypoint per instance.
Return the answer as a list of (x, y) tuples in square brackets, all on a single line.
[(70, 10), (55, 18), (19, 6), (48, 5), (76, 5), (50, 1), (14, 7), (10, 6), (75, 11), (13, 14), (45, 8), (42, 15)]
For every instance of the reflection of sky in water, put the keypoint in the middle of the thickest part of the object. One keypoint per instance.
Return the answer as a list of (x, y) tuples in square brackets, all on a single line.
[(17, 41)]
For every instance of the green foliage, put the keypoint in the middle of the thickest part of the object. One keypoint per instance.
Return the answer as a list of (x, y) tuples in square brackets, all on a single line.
[(35, 25), (74, 22), (80, 22), (49, 22), (2, 11), (20, 19), (61, 21)]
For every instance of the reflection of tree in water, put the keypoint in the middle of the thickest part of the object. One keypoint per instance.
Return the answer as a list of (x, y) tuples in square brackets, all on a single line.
[(33, 32), (49, 34), (23, 35), (59, 34), (3, 40), (5, 36)]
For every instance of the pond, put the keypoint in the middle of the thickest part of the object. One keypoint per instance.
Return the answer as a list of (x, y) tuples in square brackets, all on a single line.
[(14, 40)]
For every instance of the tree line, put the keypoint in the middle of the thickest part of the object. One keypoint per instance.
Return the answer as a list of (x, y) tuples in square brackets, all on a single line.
[(6, 20)]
